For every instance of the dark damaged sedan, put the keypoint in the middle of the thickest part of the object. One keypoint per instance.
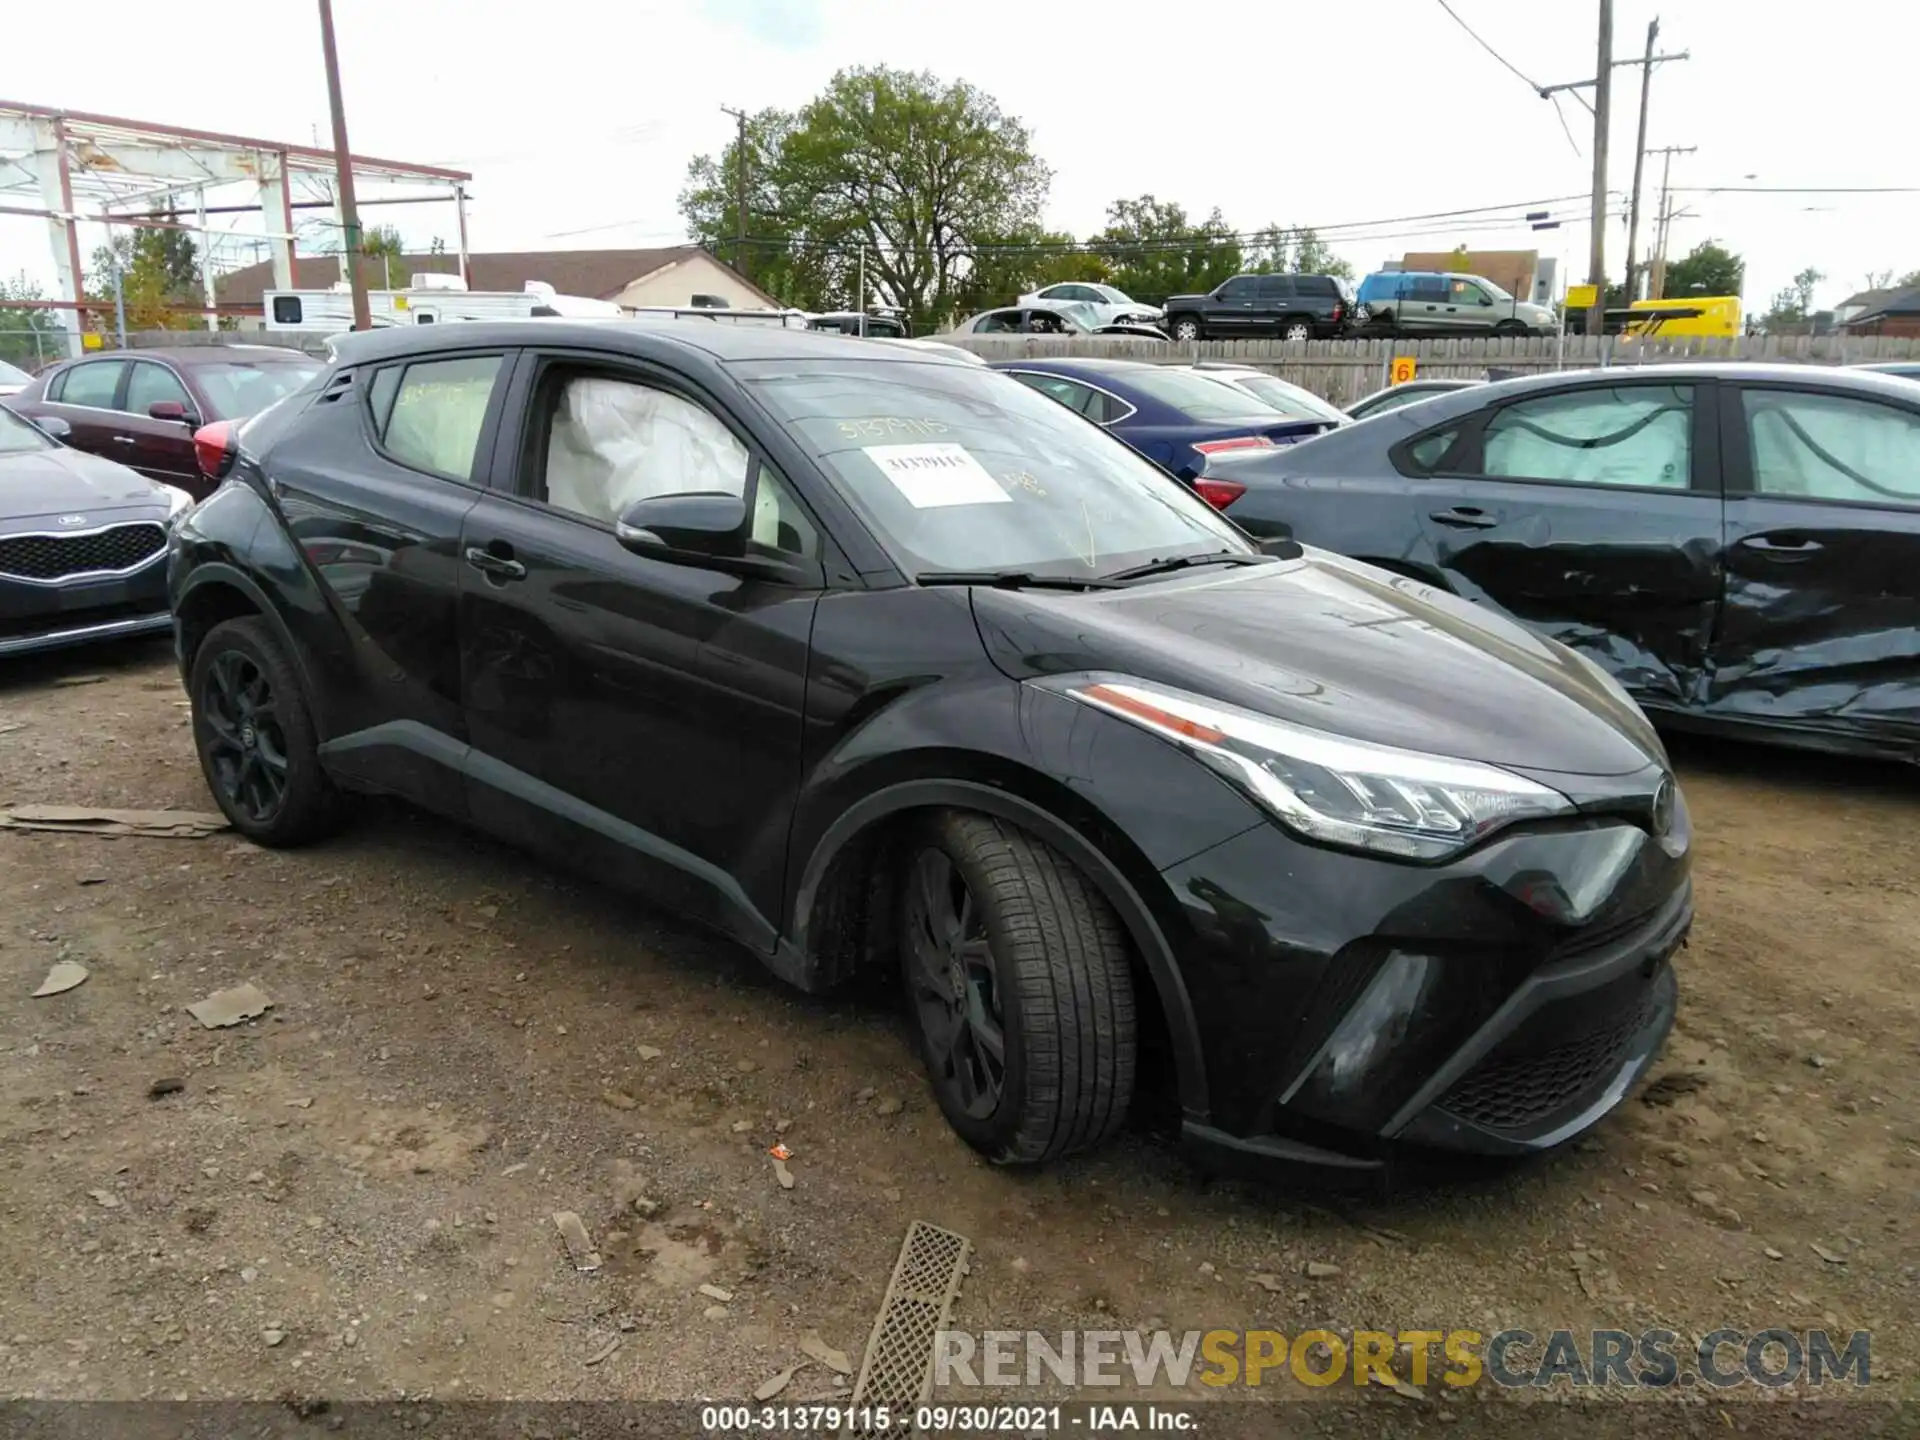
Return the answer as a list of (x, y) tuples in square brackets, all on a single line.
[(81, 543), (870, 658), (1739, 545)]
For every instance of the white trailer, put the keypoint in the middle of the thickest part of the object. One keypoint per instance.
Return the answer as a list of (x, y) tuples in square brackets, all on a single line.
[(428, 300)]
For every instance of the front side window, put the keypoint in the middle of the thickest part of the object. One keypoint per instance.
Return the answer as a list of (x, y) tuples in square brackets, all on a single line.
[(1832, 447), (612, 442), (1637, 435), (1238, 288), (151, 384), (438, 409), (1465, 292), (956, 468), (17, 437), (95, 384)]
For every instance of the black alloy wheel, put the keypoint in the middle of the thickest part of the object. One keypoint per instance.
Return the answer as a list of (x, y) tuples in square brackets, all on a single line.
[(955, 989), (256, 736), (1019, 980), (246, 750)]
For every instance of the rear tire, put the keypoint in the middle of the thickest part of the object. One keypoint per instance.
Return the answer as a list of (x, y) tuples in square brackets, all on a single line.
[(1296, 330), (1017, 978), (256, 739), (1186, 329)]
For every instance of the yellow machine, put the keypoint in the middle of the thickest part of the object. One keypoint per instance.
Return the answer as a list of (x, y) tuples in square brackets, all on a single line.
[(1718, 315)]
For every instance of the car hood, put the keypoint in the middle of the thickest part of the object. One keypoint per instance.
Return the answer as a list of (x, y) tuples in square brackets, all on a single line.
[(1335, 645), (41, 488)]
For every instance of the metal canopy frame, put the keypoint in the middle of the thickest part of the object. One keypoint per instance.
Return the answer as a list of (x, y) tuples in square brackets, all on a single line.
[(72, 167)]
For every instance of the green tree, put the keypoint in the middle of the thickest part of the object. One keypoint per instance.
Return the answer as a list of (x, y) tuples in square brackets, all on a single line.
[(1794, 304), (382, 245), (29, 337), (1153, 249), (917, 170), (1707, 269), (159, 270), (1280, 250)]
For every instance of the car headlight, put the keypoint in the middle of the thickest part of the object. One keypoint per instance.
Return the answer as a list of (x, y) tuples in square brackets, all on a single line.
[(1349, 793), (178, 503)]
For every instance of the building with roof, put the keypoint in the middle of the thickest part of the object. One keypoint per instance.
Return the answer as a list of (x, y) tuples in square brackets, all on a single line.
[(1893, 312), (672, 275)]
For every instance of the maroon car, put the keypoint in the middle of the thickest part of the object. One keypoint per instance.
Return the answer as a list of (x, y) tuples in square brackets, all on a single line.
[(141, 407)]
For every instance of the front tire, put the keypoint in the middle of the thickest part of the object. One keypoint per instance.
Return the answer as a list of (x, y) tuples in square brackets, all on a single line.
[(1186, 330), (1510, 328), (256, 739), (1018, 981)]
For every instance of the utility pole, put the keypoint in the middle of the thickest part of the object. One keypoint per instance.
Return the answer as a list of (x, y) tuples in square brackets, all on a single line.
[(1602, 108), (1657, 288), (1639, 160), (1602, 114), (740, 194), (343, 165)]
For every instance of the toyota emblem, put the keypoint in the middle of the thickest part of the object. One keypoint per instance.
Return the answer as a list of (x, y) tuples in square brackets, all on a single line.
[(73, 520)]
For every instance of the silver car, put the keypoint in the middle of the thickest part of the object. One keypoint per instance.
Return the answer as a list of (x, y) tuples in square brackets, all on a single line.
[(1426, 303), (1112, 306)]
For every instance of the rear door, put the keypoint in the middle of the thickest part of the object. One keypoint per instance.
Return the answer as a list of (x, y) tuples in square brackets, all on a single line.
[(641, 713), (1592, 514), (1273, 302), (161, 449), (373, 483), (87, 396), (1821, 629)]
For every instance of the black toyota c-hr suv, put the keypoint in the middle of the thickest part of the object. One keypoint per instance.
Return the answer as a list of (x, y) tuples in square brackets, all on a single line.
[(873, 657)]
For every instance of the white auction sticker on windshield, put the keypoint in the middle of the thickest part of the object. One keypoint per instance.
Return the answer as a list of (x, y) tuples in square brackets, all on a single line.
[(939, 474)]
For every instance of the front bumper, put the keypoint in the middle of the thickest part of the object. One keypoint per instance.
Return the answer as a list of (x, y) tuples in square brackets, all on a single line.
[(53, 615), (1357, 1012)]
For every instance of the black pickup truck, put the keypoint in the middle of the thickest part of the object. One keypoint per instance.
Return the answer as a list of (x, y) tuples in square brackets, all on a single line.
[(1286, 307)]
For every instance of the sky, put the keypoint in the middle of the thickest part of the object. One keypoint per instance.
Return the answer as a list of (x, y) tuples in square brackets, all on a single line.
[(578, 117)]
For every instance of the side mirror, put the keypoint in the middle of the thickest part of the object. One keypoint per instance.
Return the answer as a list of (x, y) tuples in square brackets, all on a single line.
[(706, 525), (1276, 539), (52, 425), (170, 410)]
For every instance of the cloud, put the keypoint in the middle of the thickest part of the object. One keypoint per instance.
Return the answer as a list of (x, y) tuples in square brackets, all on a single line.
[(778, 24)]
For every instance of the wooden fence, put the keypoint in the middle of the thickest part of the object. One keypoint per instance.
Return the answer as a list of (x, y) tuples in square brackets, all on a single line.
[(1344, 370)]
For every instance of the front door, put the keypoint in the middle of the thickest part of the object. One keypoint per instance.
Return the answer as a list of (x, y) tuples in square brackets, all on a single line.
[(1593, 515), (1821, 629), (162, 449), (640, 715), (1235, 309)]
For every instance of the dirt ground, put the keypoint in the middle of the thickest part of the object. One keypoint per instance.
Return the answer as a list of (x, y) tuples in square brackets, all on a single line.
[(353, 1196)]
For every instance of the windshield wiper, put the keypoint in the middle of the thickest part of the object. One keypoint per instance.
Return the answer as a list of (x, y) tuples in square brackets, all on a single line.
[(1012, 580), (1182, 562)]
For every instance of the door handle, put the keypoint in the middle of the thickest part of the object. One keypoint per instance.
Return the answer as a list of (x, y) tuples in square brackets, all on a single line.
[(1787, 546), (124, 440), (1465, 517), (497, 567)]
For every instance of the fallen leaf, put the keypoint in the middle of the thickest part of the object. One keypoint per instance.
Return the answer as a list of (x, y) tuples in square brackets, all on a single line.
[(229, 1007), (1830, 1256), (714, 1292), (61, 978), (814, 1348), (108, 1200), (782, 1174), (780, 1152), (603, 1352), (774, 1384), (1267, 1281), (619, 1099), (91, 820), (171, 1085)]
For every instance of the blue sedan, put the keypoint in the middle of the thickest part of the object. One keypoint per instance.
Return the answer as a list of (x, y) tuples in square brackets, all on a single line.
[(1176, 417)]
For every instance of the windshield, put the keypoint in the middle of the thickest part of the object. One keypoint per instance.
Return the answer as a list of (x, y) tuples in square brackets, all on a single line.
[(1111, 295), (962, 469), (11, 376), (17, 437), (238, 388), (1196, 396), (1290, 400)]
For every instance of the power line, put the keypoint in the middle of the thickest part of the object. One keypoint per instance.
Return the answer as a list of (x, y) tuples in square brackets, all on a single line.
[(1517, 72)]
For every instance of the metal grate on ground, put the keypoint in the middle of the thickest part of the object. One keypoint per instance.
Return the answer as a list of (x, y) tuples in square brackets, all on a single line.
[(897, 1370)]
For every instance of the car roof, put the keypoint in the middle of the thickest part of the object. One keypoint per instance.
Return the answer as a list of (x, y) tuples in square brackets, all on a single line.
[(1846, 376), (189, 356), (717, 340), (1092, 364)]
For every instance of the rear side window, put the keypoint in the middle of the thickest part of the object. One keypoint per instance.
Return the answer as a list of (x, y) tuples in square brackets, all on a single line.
[(1638, 435), (1425, 454), (1426, 287), (438, 408), (1832, 447), (93, 384), (1317, 285), (1275, 287)]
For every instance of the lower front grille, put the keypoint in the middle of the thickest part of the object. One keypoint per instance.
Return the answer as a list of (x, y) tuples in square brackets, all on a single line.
[(117, 549), (1510, 1091)]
